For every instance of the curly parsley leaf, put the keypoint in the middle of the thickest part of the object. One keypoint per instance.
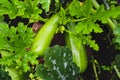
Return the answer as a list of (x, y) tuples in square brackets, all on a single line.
[(58, 65), (14, 45)]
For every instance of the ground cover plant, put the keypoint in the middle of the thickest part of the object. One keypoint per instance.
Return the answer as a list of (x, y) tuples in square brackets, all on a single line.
[(59, 40)]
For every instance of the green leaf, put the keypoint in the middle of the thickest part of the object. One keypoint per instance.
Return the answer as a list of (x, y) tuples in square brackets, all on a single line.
[(57, 4), (4, 74), (45, 4), (62, 15), (83, 30), (74, 9), (58, 64), (116, 40), (102, 14), (91, 43), (87, 8), (8, 8), (25, 9), (84, 10), (86, 27), (29, 9), (117, 30), (1, 18), (42, 72), (15, 75), (4, 30), (14, 44)]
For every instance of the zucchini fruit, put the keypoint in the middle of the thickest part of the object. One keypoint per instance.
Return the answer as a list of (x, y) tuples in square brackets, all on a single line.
[(44, 36), (78, 52)]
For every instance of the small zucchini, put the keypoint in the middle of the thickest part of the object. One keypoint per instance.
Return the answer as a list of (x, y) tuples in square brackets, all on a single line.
[(44, 36), (79, 53), (78, 49)]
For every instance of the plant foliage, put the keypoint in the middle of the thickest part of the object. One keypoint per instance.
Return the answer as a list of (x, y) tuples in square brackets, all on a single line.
[(58, 65), (14, 45), (76, 17)]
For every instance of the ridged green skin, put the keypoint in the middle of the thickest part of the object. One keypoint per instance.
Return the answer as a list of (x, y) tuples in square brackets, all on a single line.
[(44, 36), (79, 53)]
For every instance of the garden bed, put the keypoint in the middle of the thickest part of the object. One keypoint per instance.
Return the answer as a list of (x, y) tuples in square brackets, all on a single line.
[(59, 40)]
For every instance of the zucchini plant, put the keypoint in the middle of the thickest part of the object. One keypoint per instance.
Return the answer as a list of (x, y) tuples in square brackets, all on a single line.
[(20, 47)]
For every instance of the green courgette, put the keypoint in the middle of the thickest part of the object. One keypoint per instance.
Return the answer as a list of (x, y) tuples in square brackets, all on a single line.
[(78, 49), (44, 36), (78, 52)]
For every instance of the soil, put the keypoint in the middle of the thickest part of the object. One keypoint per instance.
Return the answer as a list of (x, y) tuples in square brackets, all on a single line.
[(104, 56)]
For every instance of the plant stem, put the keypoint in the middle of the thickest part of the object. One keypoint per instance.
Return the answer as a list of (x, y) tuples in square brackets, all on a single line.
[(40, 19), (94, 69), (106, 4), (115, 68), (77, 20), (109, 21), (66, 9), (96, 5), (111, 24)]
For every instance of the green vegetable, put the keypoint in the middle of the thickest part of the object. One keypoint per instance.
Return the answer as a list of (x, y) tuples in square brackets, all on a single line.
[(45, 35), (75, 42), (78, 53)]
